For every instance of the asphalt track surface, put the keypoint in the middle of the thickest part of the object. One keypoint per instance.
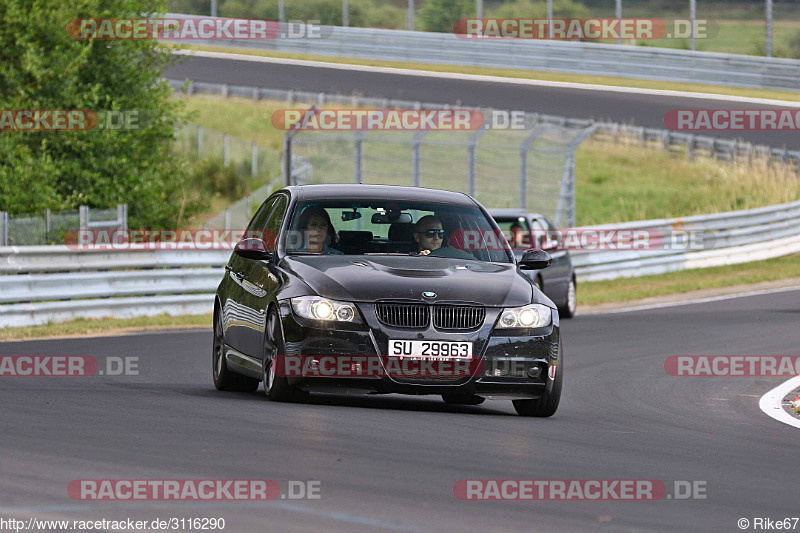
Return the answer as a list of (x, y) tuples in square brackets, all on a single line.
[(390, 462), (637, 109)]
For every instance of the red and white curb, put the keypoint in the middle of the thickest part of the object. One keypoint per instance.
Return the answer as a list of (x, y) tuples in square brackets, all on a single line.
[(772, 402)]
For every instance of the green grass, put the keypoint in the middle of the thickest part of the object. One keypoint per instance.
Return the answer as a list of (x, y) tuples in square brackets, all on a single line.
[(746, 37), (513, 73), (614, 182), (620, 183), (629, 289), (105, 326)]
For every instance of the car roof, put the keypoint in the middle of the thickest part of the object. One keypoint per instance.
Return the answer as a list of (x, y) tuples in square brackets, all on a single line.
[(384, 192)]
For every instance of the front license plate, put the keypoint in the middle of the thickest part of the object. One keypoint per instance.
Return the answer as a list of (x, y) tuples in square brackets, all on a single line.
[(404, 348)]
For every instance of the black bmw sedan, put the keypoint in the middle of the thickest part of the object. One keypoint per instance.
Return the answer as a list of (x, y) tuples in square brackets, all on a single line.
[(384, 289)]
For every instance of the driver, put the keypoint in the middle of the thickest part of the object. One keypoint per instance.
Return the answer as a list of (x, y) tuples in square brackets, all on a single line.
[(428, 234)]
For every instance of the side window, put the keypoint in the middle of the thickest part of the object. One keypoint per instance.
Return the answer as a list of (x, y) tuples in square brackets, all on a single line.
[(273, 223), (260, 218), (541, 234)]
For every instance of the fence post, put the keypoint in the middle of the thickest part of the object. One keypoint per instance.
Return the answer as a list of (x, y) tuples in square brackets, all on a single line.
[(122, 216), (3, 228), (47, 226), (471, 163), (226, 143), (536, 132), (287, 158), (571, 207), (83, 214), (416, 157), (358, 159), (253, 159), (200, 141)]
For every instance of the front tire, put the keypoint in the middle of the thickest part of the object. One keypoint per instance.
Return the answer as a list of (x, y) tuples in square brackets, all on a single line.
[(224, 379), (276, 388), (547, 404), (571, 301)]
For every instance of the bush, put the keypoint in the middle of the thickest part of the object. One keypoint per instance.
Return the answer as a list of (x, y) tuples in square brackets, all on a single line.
[(440, 15), (794, 46), (538, 9), (214, 178)]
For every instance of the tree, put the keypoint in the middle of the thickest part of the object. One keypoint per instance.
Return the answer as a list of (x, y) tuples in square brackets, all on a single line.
[(43, 67)]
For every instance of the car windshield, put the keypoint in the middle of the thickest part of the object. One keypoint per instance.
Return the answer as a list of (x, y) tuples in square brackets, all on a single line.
[(382, 227), (517, 231)]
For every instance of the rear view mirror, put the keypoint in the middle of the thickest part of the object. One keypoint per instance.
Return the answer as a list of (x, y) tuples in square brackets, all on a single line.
[(389, 218), (535, 260), (350, 215)]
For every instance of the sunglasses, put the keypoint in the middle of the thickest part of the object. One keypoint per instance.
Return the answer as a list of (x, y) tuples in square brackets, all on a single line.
[(431, 233)]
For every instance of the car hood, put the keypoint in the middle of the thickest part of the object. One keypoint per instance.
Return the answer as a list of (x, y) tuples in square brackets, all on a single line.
[(370, 278)]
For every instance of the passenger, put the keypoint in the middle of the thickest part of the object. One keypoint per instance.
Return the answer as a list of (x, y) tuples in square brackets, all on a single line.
[(428, 234), (517, 236), (318, 231)]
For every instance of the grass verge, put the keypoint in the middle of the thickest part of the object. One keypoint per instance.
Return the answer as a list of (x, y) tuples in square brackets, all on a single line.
[(110, 326), (513, 73), (630, 289)]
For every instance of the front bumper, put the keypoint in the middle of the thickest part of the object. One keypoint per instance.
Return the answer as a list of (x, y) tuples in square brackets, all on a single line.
[(513, 364)]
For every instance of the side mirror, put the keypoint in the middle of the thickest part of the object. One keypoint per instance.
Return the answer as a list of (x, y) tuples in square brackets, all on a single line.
[(535, 260), (252, 249)]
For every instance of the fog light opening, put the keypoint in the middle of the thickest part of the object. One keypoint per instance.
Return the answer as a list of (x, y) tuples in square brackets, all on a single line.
[(534, 371)]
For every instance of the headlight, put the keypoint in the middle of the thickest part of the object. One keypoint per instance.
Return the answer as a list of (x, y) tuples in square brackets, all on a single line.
[(318, 308), (529, 316)]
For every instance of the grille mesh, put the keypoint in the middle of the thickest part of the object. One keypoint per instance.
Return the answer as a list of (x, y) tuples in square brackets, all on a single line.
[(458, 316), (403, 315)]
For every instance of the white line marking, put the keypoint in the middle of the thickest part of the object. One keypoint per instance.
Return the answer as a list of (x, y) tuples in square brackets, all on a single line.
[(772, 402), (691, 302), (490, 79)]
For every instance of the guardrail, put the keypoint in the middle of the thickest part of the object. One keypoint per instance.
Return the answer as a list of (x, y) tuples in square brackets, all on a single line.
[(55, 283), (693, 145), (727, 238), (557, 56)]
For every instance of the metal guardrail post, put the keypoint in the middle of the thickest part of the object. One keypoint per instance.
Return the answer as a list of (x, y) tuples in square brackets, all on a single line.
[(47, 226), (83, 215), (3, 228), (200, 141), (226, 149)]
